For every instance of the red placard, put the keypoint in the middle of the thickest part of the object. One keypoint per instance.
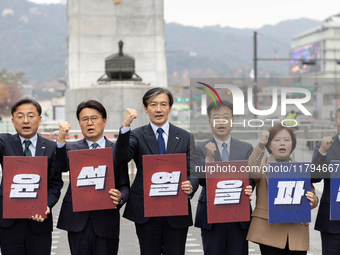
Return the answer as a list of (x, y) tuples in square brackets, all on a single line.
[(163, 175), (24, 187), (226, 199), (92, 177)]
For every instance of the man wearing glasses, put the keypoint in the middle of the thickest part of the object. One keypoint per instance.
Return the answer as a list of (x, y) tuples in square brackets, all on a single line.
[(91, 232), (28, 236)]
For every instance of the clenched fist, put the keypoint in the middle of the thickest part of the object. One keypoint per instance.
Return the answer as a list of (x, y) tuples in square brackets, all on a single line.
[(130, 115), (186, 187), (325, 144), (264, 137), (210, 149), (64, 127)]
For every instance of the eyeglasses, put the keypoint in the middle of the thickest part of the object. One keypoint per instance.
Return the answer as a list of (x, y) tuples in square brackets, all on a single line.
[(94, 119), (21, 117)]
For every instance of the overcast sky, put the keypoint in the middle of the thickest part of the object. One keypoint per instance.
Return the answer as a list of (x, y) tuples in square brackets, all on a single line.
[(242, 13)]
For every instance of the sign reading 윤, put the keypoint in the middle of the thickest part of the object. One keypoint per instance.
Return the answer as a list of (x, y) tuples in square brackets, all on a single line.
[(92, 177), (287, 199), (162, 178), (24, 187)]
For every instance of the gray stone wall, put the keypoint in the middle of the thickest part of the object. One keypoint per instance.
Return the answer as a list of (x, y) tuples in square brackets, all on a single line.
[(115, 96)]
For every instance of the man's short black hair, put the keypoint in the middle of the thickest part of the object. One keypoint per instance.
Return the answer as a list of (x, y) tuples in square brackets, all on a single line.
[(218, 105), (92, 104), (152, 93), (25, 101)]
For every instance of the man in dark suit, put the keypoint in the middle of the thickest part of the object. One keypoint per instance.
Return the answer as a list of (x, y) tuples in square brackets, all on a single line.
[(221, 238), (28, 236), (91, 232), (325, 151), (156, 235)]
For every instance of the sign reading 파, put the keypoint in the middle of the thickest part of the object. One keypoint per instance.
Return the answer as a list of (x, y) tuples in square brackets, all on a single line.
[(92, 177), (288, 183), (162, 176), (24, 187), (335, 190), (226, 200)]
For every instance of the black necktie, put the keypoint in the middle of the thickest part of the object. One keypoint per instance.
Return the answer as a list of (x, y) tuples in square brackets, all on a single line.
[(27, 151), (95, 145), (160, 141)]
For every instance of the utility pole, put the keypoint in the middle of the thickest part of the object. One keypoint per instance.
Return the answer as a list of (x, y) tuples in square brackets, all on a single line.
[(255, 70)]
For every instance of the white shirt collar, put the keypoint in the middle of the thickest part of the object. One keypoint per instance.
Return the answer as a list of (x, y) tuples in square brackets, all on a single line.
[(101, 143), (165, 127), (33, 140)]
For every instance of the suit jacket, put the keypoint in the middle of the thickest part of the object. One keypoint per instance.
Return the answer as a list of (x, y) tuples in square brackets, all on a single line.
[(142, 141), (238, 151), (105, 222), (323, 222), (273, 234), (10, 145)]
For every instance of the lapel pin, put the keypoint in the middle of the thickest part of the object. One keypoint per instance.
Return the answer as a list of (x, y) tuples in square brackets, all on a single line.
[(43, 148), (177, 138)]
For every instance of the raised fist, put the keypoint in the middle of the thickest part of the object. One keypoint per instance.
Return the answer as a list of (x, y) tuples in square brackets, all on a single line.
[(210, 149), (64, 127), (264, 137), (325, 144), (130, 115)]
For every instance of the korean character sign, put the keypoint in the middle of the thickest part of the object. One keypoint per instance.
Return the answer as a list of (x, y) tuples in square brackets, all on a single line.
[(288, 183), (92, 177), (162, 178), (334, 169), (226, 200), (24, 187)]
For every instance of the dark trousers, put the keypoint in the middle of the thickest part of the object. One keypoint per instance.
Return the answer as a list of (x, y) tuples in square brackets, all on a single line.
[(225, 239), (270, 250), (19, 239), (156, 237), (330, 243), (87, 242)]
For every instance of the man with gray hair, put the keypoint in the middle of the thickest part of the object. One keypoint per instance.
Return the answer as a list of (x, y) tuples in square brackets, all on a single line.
[(325, 151)]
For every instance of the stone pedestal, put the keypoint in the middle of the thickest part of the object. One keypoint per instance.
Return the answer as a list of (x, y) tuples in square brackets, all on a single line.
[(94, 29), (116, 96)]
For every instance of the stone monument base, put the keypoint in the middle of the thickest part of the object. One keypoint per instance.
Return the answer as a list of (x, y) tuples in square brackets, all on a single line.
[(115, 96)]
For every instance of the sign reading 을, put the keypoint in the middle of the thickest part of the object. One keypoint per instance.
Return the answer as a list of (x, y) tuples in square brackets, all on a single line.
[(92, 177), (226, 200), (162, 176), (24, 187)]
